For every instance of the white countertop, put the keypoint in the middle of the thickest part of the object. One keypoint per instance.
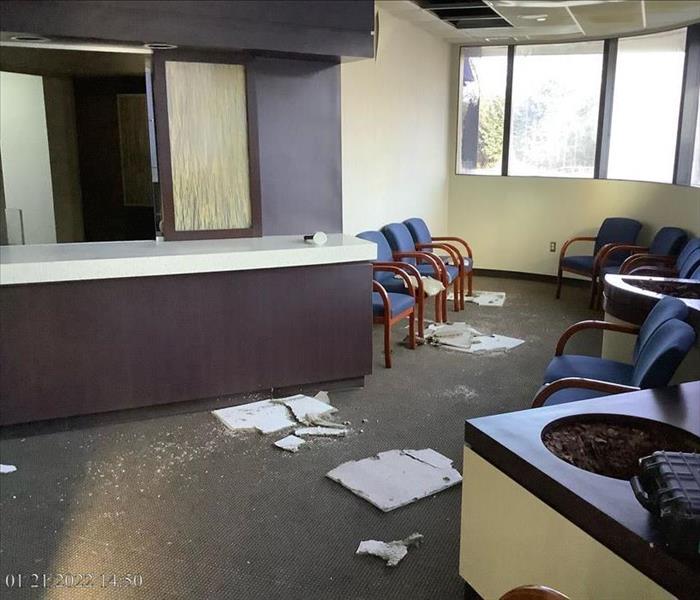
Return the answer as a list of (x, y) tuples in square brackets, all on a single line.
[(109, 260)]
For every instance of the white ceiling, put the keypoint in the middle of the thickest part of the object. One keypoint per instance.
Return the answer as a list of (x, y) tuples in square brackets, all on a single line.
[(565, 20)]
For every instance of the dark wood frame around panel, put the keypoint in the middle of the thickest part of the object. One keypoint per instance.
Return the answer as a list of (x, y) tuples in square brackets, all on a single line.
[(160, 99)]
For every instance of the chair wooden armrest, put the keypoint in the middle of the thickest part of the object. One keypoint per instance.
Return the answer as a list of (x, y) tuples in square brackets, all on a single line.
[(455, 239), (605, 252), (533, 592), (591, 324), (401, 270), (597, 385), (378, 287), (637, 261), (429, 257), (455, 255), (570, 241)]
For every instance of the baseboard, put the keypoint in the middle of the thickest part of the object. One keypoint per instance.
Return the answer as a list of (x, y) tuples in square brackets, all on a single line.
[(528, 276)]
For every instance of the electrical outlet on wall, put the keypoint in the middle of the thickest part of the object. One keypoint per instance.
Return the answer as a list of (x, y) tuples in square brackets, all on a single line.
[(552, 246)]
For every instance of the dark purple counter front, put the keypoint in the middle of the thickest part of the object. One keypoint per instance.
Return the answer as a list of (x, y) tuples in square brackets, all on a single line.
[(80, 347)]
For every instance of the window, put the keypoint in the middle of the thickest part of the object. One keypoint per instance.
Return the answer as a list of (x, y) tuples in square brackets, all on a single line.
[(481, 108), (695, 176), (646, 101), (556, 94)]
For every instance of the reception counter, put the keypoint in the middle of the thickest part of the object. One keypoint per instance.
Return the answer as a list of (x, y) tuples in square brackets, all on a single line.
[(90, 328)]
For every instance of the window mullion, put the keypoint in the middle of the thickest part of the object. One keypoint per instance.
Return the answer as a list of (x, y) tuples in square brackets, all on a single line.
[(607, 89), (688, 114), (507, 110)]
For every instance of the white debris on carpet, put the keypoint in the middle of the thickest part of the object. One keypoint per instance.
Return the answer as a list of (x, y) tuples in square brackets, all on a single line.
[(391, 552), (305, 408), (291, 443), (322, 431), (268, 416), (464, 338), (7, 468), (431, 287), (483, 298), (396, 478)]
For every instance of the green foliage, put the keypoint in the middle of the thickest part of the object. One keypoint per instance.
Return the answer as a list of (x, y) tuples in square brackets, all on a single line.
[(490, 132)]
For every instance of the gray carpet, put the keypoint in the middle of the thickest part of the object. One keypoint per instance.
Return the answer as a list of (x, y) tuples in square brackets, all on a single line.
[(201, 513)]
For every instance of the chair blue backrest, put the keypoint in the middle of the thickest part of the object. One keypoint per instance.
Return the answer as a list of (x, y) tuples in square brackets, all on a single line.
[(689, 264), (619, 230), (695, 274), (662, 354), (690, 246), (400, 240), (668, 241), (665, 309), (419, 230), (384, 253)]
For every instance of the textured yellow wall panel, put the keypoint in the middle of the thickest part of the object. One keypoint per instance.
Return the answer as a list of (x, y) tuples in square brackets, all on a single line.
[(208, 129)]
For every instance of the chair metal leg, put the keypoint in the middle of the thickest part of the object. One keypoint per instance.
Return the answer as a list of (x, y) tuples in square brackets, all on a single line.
[(387, 342), (559, 278)]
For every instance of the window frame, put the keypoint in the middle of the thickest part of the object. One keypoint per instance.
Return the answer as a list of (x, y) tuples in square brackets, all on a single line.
[(160, 57), (687, 117)]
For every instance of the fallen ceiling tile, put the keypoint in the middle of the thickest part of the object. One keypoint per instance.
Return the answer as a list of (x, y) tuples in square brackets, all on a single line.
[(266, 416), (305, 408), (7, 468), (396, 478), (322, 431), (291, 443)]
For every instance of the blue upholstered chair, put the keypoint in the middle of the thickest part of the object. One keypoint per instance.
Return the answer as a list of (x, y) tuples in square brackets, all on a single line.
[(387, 277), (404, 249), (425, 241), (614, 230), (668, 243), (653, 367), (657, 265), (574, 365), (389, 308)]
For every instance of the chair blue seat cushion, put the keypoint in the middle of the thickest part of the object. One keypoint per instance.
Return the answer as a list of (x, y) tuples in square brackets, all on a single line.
[(585, 263), (610, 269), (395, 285), (572, 395), (399, 303), (590, 367), (428, 270), (466, 261)]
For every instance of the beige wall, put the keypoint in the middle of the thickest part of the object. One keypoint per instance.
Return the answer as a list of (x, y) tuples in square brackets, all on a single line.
[(395, 130), (510, 220)]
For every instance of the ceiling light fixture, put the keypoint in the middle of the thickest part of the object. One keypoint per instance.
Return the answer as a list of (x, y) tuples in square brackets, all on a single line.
[(159, 46), (26, 37)]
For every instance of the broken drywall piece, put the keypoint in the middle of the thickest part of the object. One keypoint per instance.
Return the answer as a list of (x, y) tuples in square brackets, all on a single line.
[(266, 416), (322, 431), (494, 343), (431, 286), (391, 552), (7, 468), (306, 408), (396, 478), (464, 338), (323, 422), (291, 443), (484, 298)]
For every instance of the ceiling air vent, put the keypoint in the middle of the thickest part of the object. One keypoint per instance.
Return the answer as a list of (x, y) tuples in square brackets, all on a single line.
[(464, 14)]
